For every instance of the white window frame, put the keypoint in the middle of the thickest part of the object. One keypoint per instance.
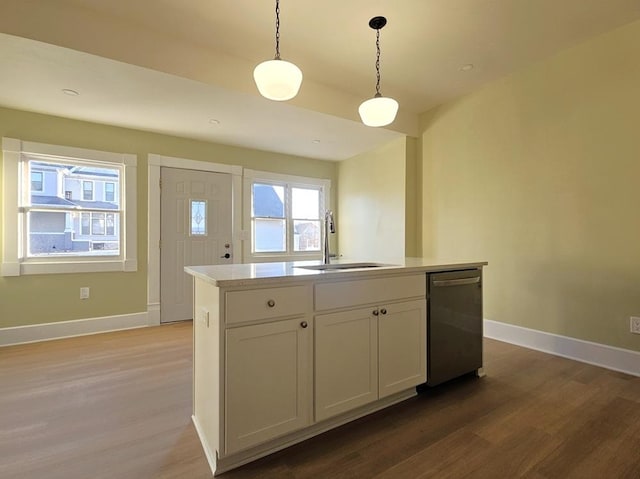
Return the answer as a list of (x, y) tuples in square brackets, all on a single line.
[(14, 260), (289, 181)]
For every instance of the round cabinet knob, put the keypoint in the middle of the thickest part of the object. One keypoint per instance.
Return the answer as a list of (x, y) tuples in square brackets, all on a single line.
[(271, 303), (383, 311), (226, 255), (304, 324), (375, 312)]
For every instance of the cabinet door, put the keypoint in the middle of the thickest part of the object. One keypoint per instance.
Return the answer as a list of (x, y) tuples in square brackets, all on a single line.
[(402, 334), (346, 361), (267, 382)]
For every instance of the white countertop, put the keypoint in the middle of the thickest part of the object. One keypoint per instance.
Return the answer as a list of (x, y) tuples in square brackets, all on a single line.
[(284, 272)]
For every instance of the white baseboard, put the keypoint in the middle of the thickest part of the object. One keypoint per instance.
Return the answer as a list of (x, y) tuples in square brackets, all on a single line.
[(616, 359), (66, 329)]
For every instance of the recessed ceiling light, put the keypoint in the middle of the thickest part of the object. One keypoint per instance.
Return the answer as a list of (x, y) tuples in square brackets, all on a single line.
[(316, 141), (466, 68), (213, 121), (68, 91)]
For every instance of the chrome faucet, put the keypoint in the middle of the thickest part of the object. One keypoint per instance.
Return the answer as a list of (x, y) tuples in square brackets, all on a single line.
[(329, 227)]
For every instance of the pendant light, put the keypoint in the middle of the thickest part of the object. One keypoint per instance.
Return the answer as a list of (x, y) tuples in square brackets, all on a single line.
[(379, 110), (277, 79)]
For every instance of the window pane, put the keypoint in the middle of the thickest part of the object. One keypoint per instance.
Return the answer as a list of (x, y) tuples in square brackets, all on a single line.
[(305, 203), (269, 236), (97, 224), (87, 190), (55, 233), (66, 184), (267, 201), (306, 235), (198, 218)]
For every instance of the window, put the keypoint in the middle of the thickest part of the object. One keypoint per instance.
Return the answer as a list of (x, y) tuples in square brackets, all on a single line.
[(86, 224), (36, 181), (111, 224), (52, 232), (87, 190), (198, 218), (97, 224), (109, 192), (285, 215)]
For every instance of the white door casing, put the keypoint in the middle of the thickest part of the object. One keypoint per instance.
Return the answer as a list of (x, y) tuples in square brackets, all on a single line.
[(155, 163), (195, 229)]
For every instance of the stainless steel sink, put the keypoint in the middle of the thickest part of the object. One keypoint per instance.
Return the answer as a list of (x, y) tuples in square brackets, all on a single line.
[(342, 266)]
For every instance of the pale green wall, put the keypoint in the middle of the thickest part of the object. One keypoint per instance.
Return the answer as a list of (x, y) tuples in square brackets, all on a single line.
[(37, 299), (539, 174), (373, 216), (411, 198)]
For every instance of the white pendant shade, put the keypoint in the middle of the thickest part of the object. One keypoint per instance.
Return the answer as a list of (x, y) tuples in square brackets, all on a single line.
[(378, 111), (278, 80)]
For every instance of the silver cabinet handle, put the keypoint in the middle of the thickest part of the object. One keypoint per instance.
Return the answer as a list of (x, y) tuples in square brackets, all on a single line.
[(271, 303), (456, 282), (383, 311), (304, 324)]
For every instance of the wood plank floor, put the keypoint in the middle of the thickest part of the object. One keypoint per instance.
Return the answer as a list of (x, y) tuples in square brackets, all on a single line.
[(118, 405)]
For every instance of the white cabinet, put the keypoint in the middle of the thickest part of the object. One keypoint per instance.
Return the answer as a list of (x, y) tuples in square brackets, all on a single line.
[(367, 354), (346, 358), (402, 351), (278, 362), (267, 381)]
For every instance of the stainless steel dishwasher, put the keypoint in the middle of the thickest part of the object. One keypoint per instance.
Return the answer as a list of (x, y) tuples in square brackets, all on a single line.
[(454, 324)]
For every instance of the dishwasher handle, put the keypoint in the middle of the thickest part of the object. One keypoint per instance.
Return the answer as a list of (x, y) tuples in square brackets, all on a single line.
[(456, 282)]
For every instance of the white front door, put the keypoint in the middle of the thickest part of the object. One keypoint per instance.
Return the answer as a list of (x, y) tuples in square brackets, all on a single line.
[(195, 229)]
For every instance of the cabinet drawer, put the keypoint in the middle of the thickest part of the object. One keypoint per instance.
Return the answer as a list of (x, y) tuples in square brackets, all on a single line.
[(255, 304), (342, 294)]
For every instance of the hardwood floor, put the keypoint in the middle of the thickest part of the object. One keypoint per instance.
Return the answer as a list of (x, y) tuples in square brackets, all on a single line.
[(118, 405)]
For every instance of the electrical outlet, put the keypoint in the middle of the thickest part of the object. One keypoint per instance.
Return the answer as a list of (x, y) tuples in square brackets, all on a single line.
[(84, 292), (635, 324)]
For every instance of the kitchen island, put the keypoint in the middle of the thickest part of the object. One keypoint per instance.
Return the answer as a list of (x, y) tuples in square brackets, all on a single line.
[(285, 351)]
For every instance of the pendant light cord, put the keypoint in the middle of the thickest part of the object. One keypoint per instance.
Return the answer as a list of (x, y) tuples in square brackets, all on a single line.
[(378, 63), (277, 30)]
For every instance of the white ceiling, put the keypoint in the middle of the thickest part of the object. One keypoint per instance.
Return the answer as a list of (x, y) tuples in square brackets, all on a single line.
[(170, 67)]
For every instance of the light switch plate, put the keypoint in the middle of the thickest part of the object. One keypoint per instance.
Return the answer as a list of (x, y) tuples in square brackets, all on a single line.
[(204, 316), (634, 324)]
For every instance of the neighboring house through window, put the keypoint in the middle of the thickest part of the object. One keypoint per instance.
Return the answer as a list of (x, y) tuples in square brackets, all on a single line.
[(53, 220), (285, 215)]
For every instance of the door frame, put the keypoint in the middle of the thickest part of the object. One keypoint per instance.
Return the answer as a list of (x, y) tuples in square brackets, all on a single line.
[(155, 162)]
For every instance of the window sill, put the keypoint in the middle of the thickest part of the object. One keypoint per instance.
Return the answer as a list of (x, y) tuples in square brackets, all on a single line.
[(48, 267)]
